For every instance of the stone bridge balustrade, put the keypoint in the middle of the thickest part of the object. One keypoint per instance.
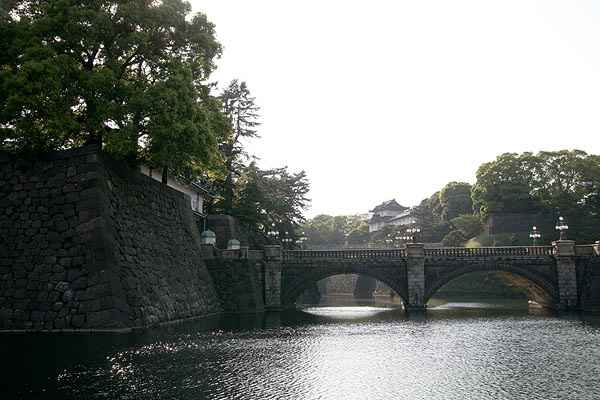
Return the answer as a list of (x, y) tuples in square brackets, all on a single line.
[(343, 254), (487, 252)]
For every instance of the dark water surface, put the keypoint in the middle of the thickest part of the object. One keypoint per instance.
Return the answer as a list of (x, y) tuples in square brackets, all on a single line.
[(456, 350)]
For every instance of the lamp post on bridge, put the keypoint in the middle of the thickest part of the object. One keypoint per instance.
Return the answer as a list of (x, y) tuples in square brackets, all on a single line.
[(561, 226), (273, 233), (412, 233), (535, 235), (286, 240), (300, 241)]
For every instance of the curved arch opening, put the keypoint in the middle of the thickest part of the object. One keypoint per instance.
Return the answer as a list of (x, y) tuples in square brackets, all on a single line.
[(492, 286), (346, 290)]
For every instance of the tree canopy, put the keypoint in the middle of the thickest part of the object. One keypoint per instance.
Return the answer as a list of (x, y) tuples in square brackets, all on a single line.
[(553, 183), (240, 108), (129, 74), (505, 185), (455, 200), (271, 196), (339, 230)]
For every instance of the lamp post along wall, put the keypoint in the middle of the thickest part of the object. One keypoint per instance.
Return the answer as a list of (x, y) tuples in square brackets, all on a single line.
[(272, 234), (535, 235), (561, 226)]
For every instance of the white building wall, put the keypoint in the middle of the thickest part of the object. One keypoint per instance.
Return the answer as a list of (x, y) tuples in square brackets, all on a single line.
[(196, 196)]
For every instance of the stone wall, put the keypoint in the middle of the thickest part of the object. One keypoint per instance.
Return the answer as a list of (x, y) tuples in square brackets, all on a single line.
[(510, 223), (225, 228), (87, 244), (238, 283)]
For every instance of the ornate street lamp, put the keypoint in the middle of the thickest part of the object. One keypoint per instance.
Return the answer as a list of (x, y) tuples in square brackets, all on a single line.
[(535, 235), (389, 241), (286, 240), (300, 241), (273, 233), (561, 226), (412, 232), (404, 237)]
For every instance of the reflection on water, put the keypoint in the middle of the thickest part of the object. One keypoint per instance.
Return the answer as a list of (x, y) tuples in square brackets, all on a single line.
[(456, 350)]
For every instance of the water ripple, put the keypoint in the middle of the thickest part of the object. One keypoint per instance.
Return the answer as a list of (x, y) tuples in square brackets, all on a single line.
[(361, 356)]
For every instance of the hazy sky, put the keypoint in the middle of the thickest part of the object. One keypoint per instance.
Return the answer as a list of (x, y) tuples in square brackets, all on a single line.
[(394, 99)]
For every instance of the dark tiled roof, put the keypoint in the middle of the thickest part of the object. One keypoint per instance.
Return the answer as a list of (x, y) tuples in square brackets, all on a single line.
[(389, 205)]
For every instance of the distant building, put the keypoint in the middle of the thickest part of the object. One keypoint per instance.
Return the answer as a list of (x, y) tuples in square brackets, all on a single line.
[(195, 190), (389, 212)]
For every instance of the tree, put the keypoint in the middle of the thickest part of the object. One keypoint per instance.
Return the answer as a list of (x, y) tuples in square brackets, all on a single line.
[(568, 185), (358, 231), (567, 180), (455, 199), (240, 107), (388, 235), (565, 183), (126, 74), (454, 239), (327, 230), (505, 185), (271, 196), (469, 225), (428, 216)]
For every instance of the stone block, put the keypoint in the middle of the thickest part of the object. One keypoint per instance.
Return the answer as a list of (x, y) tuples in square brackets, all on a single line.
[(54, 296), (68, 295), (79, 283), (60, 323), (78, 320), (37, 316), (21, 304)]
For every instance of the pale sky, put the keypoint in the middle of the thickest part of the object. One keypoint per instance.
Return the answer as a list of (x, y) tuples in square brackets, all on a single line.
[(394, 99)]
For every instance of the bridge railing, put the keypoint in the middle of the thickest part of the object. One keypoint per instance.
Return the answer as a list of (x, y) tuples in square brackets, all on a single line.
[(434, 252), (345, 254), (522, 251), (585, 250)]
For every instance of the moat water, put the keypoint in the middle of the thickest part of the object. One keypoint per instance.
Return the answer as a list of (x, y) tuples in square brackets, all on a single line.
[(456, 350)]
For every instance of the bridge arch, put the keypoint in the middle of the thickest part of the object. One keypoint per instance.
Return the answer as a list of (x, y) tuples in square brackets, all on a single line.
[(292, 288), (535, 286)]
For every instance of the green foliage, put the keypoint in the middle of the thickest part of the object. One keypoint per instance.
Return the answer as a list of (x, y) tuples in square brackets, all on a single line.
[(271, 196), (326, 230), (359, 231), (240, 108), (428, 215), (258, 198), (469, 225), (454, 239), (114, 72), (565, 183), (389, 235), (505, 186), (455, 200)]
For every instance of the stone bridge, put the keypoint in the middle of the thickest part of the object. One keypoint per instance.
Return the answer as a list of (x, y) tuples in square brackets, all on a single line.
[(552, 276)]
